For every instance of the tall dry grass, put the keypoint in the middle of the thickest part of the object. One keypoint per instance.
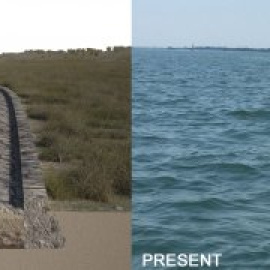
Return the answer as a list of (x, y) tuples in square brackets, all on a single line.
[(80, 104)]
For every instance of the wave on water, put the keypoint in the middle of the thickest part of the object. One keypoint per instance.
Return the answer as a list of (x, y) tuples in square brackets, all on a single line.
[(249, 114)]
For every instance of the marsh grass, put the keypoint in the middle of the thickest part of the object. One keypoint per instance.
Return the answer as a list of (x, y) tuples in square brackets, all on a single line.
[(82, 104)]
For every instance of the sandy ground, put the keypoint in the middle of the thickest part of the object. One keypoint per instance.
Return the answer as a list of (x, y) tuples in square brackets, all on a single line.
[(95, 241)]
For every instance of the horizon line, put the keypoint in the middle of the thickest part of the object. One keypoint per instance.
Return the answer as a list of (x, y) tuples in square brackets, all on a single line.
[(200, 47)]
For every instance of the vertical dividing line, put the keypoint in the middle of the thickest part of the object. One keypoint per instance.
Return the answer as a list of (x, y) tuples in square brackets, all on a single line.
[(16, 196)]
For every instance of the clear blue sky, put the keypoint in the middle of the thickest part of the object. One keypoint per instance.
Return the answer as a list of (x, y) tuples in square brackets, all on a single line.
[(232, 23)]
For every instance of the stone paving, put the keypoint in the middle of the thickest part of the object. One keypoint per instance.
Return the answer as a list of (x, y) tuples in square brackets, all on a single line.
[(29, 166), (24, 217)]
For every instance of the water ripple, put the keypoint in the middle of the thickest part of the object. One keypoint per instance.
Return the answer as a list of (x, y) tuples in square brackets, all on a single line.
[(201, 155)]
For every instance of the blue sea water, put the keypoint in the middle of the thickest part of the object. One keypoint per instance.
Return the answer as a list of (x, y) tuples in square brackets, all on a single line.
[(201, 155)]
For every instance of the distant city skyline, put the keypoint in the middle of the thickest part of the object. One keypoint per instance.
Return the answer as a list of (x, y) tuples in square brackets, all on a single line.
[(183, 23)]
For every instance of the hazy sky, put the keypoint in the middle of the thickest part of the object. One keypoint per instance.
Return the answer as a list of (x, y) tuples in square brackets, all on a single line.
[(201, 22), (59, 24)]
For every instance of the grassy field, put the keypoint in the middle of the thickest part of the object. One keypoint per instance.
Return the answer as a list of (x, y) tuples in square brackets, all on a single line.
[(79, 106)]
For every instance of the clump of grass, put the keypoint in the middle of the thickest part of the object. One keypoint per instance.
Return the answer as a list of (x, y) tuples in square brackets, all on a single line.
[(37, 114), (82, 102), (58, 185), (6, 84), (97, 174), (122, 172), (49, 154)]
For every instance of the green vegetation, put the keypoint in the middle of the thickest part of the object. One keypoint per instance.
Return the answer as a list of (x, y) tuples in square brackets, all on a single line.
[(79, 105)]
